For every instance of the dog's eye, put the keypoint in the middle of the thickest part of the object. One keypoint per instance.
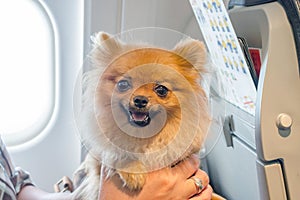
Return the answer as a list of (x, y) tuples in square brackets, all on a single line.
[(123, 85), (161, 90)]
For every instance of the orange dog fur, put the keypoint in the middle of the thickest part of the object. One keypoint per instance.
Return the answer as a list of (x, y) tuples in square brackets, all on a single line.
[(131, 86)]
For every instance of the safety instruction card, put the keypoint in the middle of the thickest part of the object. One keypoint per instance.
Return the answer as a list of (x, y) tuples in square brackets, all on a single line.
[(226, 53)]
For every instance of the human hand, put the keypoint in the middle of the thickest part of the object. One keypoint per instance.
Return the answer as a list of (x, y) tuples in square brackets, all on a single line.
[(174, 183), (177, 183)]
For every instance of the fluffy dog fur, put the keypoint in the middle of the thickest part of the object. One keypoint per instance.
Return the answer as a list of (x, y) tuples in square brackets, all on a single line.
[(127, 85)]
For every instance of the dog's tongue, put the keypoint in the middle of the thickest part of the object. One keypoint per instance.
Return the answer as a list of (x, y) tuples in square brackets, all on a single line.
[(138, 116)]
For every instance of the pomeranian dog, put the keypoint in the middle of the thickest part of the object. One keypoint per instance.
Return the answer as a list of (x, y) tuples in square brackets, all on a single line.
[(143, 109)]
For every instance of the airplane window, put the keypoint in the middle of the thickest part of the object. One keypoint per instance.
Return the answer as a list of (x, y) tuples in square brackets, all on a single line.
[(27, 67)]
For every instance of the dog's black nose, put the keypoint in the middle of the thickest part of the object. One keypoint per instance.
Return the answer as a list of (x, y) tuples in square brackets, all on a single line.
[(140, 101)]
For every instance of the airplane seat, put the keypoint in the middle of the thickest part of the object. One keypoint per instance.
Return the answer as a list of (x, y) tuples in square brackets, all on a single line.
[(263, 159), (292, 9)]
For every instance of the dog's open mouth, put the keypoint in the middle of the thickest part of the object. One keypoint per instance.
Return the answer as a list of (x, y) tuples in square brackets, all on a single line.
[(139, 118)]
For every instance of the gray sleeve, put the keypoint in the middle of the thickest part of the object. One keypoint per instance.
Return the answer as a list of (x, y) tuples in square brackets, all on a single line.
[(18, 177)]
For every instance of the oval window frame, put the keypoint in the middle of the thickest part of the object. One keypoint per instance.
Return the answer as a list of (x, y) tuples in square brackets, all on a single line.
[(25, 136)]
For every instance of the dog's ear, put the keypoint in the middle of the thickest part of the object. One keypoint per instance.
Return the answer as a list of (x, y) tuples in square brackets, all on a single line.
[(105, 48), (106, 42), (193, 51), (104, 39)]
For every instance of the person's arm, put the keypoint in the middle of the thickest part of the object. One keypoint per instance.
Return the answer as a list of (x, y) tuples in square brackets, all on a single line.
[(14, 178), (168, 184), (30, 192)]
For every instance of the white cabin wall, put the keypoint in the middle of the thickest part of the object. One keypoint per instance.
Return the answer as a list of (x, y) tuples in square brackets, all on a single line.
[(119, 15)]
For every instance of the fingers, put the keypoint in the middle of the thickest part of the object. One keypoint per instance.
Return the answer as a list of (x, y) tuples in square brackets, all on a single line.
[(187, 168), (198, 183), (206, 194)]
